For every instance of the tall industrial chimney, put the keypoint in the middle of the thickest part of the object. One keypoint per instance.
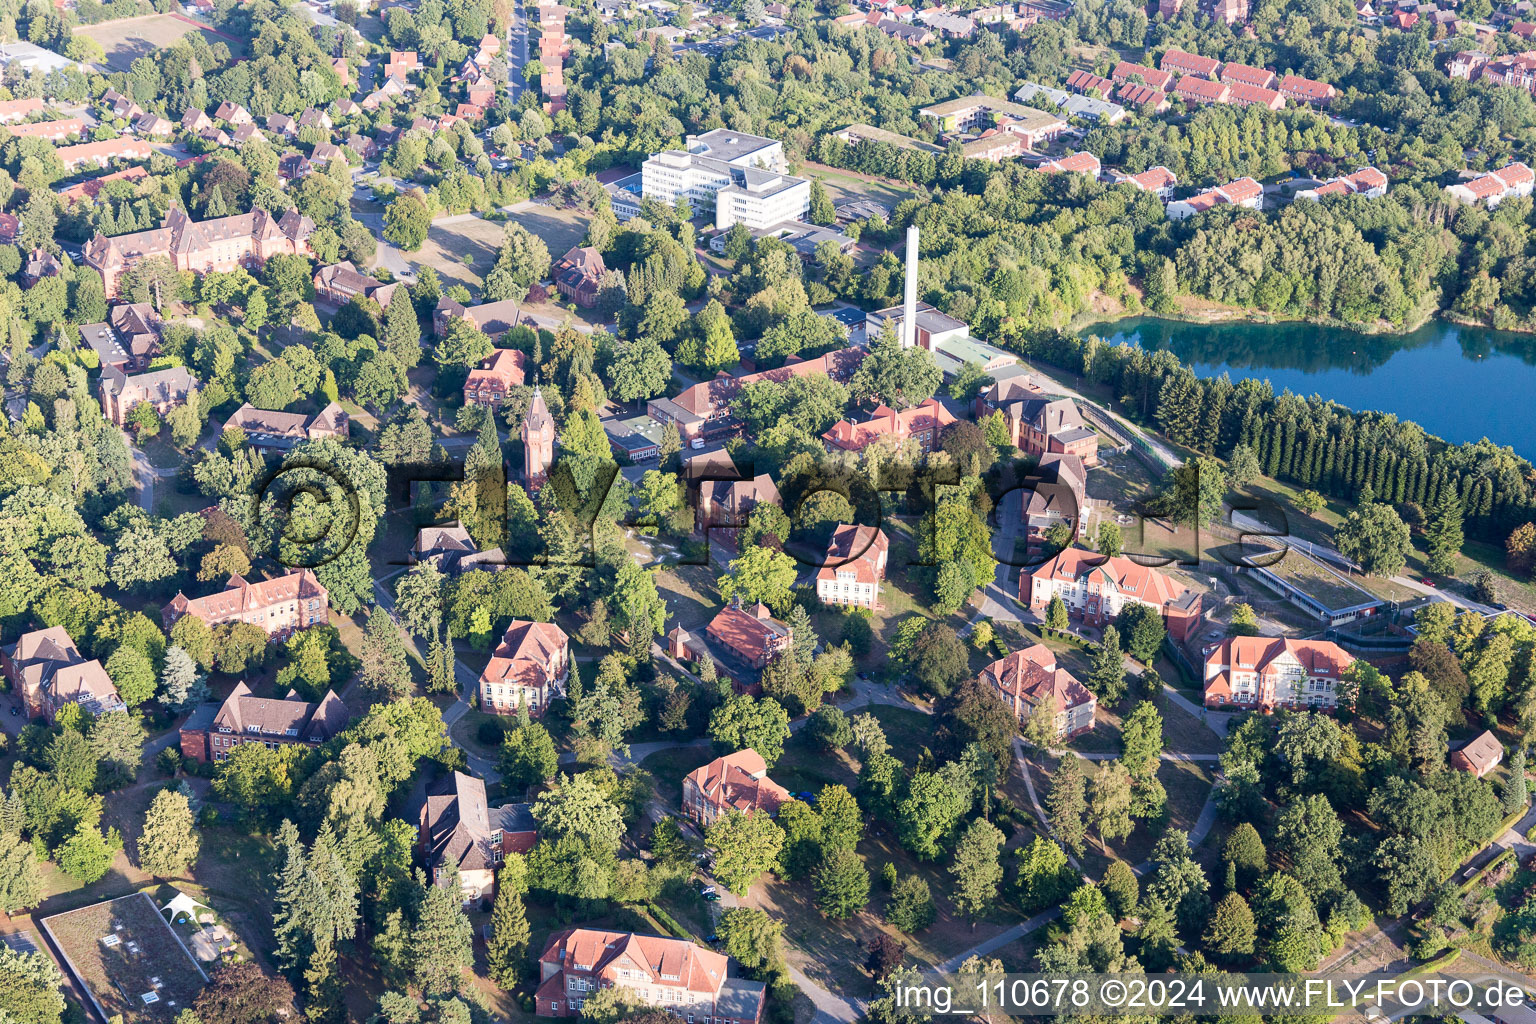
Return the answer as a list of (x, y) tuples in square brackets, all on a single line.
[(909, 296)]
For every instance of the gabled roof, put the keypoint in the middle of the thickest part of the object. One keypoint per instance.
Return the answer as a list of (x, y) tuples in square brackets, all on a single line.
[(1129, 578), (525, 649), (1032, 676), (860, 550), (739, 782), (291, 718), (455, 824)]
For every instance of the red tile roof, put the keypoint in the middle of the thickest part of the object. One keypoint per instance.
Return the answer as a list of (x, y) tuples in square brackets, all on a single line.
[(1189, 63), (1305, 88), (1203, 90), (1081, 163), (1155, 77), (1248, 75), (1241, 190), (884, 421), (739, 782), (1031, 676), (861, 550), (1130, 578), (525, 649)]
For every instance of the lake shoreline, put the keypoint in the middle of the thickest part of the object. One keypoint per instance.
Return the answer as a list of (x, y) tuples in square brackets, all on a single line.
[(1459, 382)]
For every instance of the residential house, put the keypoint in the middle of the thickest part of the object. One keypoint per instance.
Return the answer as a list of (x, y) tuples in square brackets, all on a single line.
[(1038, 425), (1072, 104), (725, 504), (282, 124), (401, 64), (1467, 64), (855, 564), (195, 121), (128, 340), (1244, 192), (53, 131), (120, 107), (221, 244), (324, 152), (578, 275), (1367, 182), (752, 635), (1058, 496), (279, 606), (88, 190), (340, 283), (672, 974), (1493, 188), (452, 549), (493, 318), (735, 782), (529, 667), (163, 389), (1305, 90), (153, 126), (1030, 680), (233, 114), (1077, 163), (1194, 89), (460, 830), (243, 134), (912, 35), (1264, 673), (214, 733), (1180, 62), (1126, 72), (292, 166), (1081, 81), (1479, 755), (268, 430), (921, 423), (1246, 74), (1245, 95), (1515, 69), (1095, 588), (20, 109), (40, 264), (1134, 94), (312, 117), (1158, 180), (497, 374), (47, 670), (101, 154)]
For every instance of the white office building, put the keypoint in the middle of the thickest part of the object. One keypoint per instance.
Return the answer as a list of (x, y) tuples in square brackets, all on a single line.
[(741, 177)]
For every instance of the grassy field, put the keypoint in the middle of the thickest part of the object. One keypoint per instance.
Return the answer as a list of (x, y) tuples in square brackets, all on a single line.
[(844, 186), (124, 950), (127, 39), (452, 239)]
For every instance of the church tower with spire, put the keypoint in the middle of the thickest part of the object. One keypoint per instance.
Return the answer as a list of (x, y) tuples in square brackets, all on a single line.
[(538, 442)]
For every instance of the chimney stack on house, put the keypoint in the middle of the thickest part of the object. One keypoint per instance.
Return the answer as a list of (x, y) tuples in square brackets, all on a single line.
[(909, 299)]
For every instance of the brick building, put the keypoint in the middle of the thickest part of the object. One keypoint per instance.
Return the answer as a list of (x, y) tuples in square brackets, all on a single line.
[(753, 635), (164, 389), (212, 731), (578, 275), (1026, 680), (704, 410), (497, 374), (1038, 425), (222, 244), (339, 283), (47, 670), (280, 606), (921, 423), (735, 782), (459, 828), (269, 430)]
